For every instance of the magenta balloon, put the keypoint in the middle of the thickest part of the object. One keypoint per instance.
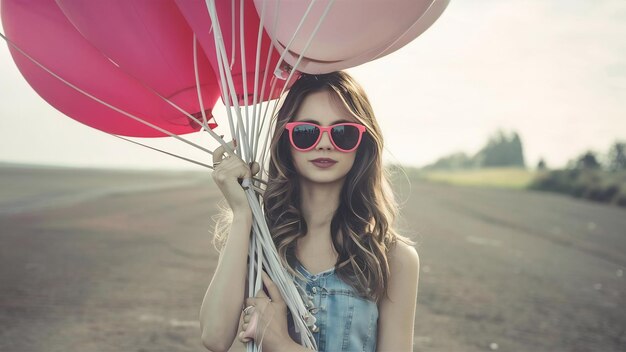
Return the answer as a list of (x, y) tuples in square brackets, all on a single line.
[(41, 29), (197, 16), (352, 33), (151, 41)]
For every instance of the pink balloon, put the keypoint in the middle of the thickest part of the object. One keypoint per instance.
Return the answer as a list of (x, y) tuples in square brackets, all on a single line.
[(420, 26), (41, 29), (197, 16), (352, 33)]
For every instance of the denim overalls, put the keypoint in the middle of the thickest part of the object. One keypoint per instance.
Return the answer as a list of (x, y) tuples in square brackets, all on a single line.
[(346, 321)]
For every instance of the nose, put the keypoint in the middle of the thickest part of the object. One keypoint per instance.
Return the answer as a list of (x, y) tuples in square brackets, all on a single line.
[(325, 142)]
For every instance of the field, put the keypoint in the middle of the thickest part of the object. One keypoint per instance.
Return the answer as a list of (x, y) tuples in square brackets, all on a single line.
[(96, 260), (512, 178)]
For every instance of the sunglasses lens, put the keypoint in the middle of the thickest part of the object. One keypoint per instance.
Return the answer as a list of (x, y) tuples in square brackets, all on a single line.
[(304, 136), (345, 136)]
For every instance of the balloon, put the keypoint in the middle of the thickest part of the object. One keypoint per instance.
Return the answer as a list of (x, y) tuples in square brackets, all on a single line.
[(41, 30), (228, 13), (151, 41), (352, 33), (420, 26), (121, 50)]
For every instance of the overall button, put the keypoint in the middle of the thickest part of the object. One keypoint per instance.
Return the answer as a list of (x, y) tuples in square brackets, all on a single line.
[(314, 289)]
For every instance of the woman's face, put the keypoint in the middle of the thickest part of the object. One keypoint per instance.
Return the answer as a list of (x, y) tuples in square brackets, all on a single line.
[(325, 110)]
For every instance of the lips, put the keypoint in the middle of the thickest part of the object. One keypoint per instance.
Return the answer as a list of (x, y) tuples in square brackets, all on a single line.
[(324, 160)]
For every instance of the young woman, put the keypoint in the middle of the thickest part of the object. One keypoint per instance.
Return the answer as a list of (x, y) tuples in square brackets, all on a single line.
[(330, 211)]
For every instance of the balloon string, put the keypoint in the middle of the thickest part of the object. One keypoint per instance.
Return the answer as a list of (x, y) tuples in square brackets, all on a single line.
[(210, 131), (226, 98), (273, 81), (304, 50), (306, 47), (417, 22), (163, 151), (232, 37), (260, 229), (105, 103), (257, 59), (264, 329), (219, 139), (226, 73), (270, 93), (195, 69), (244, 69), (256, 189), (293, 37), (133, 116), (277, 272)]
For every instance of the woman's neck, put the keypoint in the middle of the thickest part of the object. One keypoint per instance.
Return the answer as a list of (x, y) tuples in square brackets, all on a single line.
[(319, 202)]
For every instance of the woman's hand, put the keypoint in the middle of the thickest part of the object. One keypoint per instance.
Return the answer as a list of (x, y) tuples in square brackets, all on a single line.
[(267, 321), (228, 174)]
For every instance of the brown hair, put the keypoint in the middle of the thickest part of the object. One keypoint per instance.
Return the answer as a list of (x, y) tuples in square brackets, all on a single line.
[(362, 226)]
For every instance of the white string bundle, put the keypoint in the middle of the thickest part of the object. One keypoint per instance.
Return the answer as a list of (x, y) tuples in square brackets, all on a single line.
[(262, 251)]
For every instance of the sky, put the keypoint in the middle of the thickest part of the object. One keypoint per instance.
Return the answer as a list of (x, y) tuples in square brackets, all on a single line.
[(553, 71)]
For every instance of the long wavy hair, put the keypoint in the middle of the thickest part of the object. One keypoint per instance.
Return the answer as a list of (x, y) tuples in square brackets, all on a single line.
[(362, 226)]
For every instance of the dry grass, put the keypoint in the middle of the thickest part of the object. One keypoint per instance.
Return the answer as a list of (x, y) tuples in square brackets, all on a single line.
[(512, 178)]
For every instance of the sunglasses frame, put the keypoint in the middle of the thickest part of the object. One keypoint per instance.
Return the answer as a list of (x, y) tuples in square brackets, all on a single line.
[(291, 125)]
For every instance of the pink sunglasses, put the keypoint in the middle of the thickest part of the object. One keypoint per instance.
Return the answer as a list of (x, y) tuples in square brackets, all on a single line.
[(345, 136)]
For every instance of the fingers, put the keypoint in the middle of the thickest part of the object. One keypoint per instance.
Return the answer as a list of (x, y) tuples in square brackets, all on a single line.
[(241, 328), (272, 289), (218, 153), (218, 156), (261, 294), (244, 322), (254, 168), (243, 339), (250, 328)]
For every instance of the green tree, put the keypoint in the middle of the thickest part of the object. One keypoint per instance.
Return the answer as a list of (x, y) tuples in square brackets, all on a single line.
[(588, 160), (541, 165), (502, 150), (617, 157)]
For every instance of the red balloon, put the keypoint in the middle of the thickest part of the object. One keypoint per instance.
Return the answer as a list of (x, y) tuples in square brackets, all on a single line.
[(42, 30), (151, 41), (197, 16)]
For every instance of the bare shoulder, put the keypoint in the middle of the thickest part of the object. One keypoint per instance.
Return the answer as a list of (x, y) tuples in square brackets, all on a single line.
[(403, 258)]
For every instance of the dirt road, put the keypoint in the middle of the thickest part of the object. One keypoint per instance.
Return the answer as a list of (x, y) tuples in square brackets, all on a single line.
[(121, 262)]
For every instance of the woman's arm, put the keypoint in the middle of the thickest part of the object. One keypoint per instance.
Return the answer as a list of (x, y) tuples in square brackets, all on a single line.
[(223, 301), (397, 315)]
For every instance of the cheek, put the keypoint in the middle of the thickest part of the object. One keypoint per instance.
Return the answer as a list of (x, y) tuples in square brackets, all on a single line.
[(298, 158), (349, 161)]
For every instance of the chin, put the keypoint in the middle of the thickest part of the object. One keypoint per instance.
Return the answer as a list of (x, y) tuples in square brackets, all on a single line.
[(323, 179), (312, 173)]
